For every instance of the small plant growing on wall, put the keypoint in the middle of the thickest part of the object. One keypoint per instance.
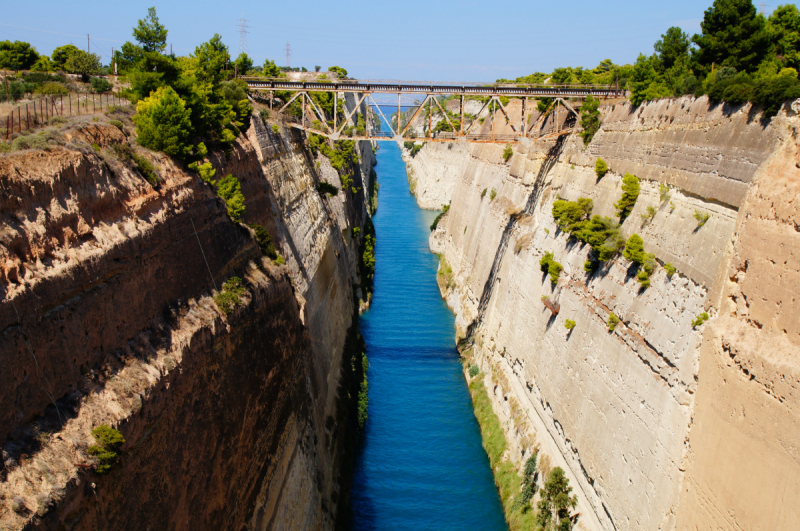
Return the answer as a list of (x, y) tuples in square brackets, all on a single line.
[(663, 193), (106, 451), (473, 371), (700, 319), (569, 324), (701, 218), (493, 194), (613, 321), (508, 152), (550, 266), (600, 168), (670, 269), (483, 194), (630, 192), (230, 296), (651, 212)]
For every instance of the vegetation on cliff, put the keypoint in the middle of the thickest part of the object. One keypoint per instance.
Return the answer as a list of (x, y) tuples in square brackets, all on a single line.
[(106, 451)]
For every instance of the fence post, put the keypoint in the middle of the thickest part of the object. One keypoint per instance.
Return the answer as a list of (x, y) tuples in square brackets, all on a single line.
[(8, 123), (27, 116)]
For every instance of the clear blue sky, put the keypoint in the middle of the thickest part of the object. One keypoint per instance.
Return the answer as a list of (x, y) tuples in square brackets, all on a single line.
[(413, 40)]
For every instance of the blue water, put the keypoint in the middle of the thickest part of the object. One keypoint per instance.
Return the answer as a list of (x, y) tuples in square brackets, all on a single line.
[(421, 464)]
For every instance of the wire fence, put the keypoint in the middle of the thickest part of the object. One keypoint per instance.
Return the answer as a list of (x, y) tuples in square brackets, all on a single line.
[(39, 111)]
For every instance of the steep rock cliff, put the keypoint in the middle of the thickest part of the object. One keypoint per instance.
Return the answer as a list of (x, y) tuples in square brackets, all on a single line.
[(658, 423), (234, 421)]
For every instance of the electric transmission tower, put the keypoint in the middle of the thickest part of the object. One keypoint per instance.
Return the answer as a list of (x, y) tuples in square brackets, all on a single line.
[(288, 54), (243, 27)]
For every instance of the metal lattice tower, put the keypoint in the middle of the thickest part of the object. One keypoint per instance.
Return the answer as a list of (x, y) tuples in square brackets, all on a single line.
[(288, 54), (243, 27)]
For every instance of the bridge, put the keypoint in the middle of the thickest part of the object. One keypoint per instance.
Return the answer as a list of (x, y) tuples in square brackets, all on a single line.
[(456, 128)]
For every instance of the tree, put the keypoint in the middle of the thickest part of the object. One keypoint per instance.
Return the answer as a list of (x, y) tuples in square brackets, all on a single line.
[(61, 54), (341, 72), (271, 69), (85, 64), (162, 123), (647, 83), (17, 55), (672, 47), (243, 64), (43, 64), (590, 119), (630, 192), (211, 59), (151, 35), (783, 28), (733, 35), (555, 503)]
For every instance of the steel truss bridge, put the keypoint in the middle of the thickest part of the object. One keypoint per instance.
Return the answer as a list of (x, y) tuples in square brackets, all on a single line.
[(365, 92)]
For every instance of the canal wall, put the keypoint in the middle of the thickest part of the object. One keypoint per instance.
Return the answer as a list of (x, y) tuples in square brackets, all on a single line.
[(662, 423)]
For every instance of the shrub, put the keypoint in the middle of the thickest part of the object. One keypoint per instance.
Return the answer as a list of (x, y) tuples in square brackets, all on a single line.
[(408, 144), (492, 194), (670, 269), (162, 123), (126, 154), (100, 84), (590, 266), (265, 242), (508, 152), (118, 124), (416, 149), (569, 324), (279, 261), (701, 218), (600, 168), (4, 147), (106, 451), (230, 190), (613, 320), (630, 192), (276, 129), (29, 142), (663, 193), (550, 266), (590, 119), (52, 88), (230, 296), (603, 234), (326, 188), (651, 212), (483, 193), (634, 251), (568, 214), (474, 371), (700, 319), (435, 223)]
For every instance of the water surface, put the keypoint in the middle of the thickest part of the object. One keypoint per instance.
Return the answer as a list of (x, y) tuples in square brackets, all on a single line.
[(421, 464)]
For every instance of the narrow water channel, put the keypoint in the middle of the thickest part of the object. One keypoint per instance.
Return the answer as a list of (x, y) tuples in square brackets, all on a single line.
[(421, 464)]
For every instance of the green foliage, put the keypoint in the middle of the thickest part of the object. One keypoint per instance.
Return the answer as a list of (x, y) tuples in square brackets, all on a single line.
[(590, 119), (630, 192), (61, 54), (590, 266), (701, 218), (733, 34), (492, 194), (52, 88), (243, 64), (663, 193), (126, 154), (35, 141), (602, 234), (163, 123), (150, 33), (85, 64), (101, 85), (4, 147), (416, 149), (271, 69), (17, 55), (326, 188), (613, 321), (548, 265), (651, 212), (408, 144), (483, 193), (569, 324), (634, 251), (230, 190), (276, 129), (783, 28), (264, 241), (700, 319), (230, 296), (106, 451), (435, 223), (600, 168), (555, 504), (366, 265), (210, 61), (474, 370), (670, 269), (569, 214), (530, 476), (279, 261), (341, 72), (508, 152)]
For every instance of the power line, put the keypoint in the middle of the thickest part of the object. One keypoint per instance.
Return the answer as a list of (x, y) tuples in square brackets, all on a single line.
[(243, 27)]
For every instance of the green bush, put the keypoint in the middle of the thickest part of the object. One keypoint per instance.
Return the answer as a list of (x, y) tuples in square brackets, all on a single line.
[(651, 212), (126, 154), (52, 88), (163, 123), (670, 269), (230, 190), (231, 295), (279, 261), (265, 242), (276, 129), (483, 193), (602, 234), (326, 188), (569, 214), (416, 149), (474, 370), (29, 142), (701, 218), (492, 194), (600, 168), (630, 192), (550, 266), (613, 321), (634, 251), (508, 152), (118, 124), (700, 319), (106, 451), (590, 119), (4, 147), (435, 223), (569, 324), (663, 193), (590, 266), (100, 85)]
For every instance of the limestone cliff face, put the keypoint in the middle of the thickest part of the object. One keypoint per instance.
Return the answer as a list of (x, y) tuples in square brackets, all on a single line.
[(659, 425), (232, 421)]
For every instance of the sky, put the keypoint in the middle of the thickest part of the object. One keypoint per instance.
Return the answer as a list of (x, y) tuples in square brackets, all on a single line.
[(413, 40)]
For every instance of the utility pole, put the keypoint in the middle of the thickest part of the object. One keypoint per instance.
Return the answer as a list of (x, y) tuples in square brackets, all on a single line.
[(243, 35), (88, 46), (288, 54)]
